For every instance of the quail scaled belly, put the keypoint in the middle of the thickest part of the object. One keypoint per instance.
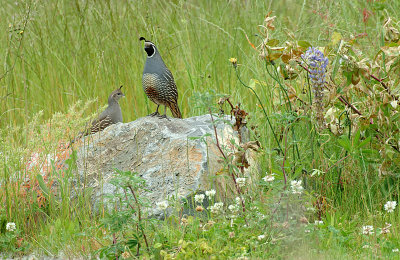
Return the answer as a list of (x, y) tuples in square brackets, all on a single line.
[(158, 82)]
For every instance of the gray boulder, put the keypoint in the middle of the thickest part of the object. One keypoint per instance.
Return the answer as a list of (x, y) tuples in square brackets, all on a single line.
[(176, 157)]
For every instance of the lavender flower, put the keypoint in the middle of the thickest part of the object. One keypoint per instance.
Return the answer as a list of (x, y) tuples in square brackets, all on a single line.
[(317, 64)]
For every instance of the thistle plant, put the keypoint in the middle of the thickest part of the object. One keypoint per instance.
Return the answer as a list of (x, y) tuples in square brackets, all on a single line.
[(317, 64)]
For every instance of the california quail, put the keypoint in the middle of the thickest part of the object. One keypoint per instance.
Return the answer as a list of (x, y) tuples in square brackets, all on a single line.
[(158, 82), (111, 115)]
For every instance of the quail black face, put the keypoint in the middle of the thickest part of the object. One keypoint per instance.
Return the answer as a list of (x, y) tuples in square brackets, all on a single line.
[(149, 48)]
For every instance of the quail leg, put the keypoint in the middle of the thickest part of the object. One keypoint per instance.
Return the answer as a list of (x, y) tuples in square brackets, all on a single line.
[(165, 113), (155, 113)]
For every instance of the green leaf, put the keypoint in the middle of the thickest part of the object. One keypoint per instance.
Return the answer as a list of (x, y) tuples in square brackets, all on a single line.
[(272, 42), (348, 75), (363, 143), (345, 143), (157, 245), (304, 44), (43, 186), (356, 138)]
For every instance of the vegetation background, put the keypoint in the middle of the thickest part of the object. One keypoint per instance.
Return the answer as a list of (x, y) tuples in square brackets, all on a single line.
[(57, 53)]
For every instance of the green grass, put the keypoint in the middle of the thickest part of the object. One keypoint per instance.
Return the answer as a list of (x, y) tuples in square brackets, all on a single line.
[(70, 51)]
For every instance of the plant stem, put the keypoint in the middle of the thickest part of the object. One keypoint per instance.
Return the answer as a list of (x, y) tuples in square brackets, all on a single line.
[(262, 106)]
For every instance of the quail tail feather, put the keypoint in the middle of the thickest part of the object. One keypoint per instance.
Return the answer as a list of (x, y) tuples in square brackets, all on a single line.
[(173, 106)]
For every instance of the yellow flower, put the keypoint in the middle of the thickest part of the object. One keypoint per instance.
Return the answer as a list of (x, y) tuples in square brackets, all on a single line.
[(233, 61), (21, 32)]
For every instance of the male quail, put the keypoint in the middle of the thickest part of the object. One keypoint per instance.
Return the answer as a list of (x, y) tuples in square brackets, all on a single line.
[(111, 115), (158, 82)]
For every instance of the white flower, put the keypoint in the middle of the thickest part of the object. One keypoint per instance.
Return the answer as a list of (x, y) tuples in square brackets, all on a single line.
[(366, 246), (11, 226), (261, 237), (296, 187), (269, 178), (311, 209), (233, 208), (239, 200), (199, 198), (367, 230), (390, 206), (394, 104), (386, 229), (318, 222), (241, 182), (217, 207), (307, 231), (162, 205), (210, 193), (395, 250), (316, 172)]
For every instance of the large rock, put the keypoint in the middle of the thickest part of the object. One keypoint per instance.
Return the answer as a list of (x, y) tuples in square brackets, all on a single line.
[(164, 153)]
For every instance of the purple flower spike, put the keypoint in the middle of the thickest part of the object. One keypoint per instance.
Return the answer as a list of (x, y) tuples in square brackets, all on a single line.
[(317, 64)]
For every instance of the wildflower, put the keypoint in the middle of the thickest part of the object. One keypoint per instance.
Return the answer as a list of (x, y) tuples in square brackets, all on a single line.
[(311, 209), (307, 231), (317, 64), (261, 237), (386, 228), (390, 206), (231, 234), (239, 200), (269, 178), (210, 193), (366, 246), (296, 187), (210, 223), (184, 221), (199, 208), (11, 226), (233, 208), (217, 207), (33, 161), (367, 230), (394, 104), (125, 255), (395, 250), (318, 222), (316, 172), (241, 182), (233, 61), (199, 198), (162, 205)]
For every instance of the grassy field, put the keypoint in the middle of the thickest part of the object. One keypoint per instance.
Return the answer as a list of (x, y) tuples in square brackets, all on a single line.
[(61, 59)]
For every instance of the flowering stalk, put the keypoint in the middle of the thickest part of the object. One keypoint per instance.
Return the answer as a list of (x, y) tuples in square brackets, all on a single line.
[(317, 64)]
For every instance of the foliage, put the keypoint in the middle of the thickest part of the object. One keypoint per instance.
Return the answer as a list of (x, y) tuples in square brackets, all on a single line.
[(330, 162)]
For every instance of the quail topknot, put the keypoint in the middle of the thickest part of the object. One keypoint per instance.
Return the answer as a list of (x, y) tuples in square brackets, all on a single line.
[(158, 82)]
